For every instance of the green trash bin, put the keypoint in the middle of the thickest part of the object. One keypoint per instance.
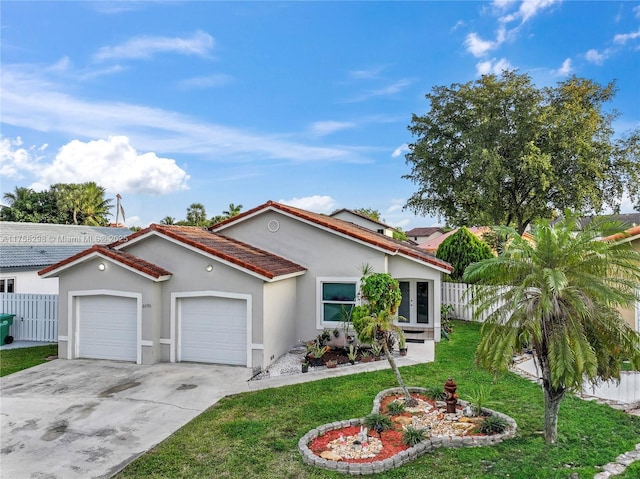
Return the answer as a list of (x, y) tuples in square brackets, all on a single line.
[(6, 320)]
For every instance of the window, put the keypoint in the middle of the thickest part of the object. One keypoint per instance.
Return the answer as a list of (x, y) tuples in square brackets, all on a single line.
[(337, 298), (8, 285)]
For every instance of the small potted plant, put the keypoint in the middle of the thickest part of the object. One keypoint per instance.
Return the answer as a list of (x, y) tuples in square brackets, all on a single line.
[(317, 352), (376, 350), (402, 345), (305, 367), (365, 357), (352, 354), (331, 363)]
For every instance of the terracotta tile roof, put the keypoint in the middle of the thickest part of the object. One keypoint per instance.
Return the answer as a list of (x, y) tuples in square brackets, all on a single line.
[(349, 229), (433, 244), (630, 233), (236, 252), (121, 257)]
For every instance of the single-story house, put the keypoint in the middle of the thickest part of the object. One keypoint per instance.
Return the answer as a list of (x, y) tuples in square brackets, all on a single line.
[(243, 292), (26, 248), (631, 315)]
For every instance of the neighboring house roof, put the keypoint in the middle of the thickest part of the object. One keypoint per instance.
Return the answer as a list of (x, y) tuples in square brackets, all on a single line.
[(141, 266), (433, 244), (345, 228), (365, 217), (265, 264), (633, 219), (631, 234), (33, 245), (427, 231)]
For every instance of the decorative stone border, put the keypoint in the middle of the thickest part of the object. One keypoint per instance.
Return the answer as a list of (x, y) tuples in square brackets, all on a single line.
[(403, 457)]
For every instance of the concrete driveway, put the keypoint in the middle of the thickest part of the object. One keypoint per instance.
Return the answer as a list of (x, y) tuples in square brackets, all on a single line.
[(88, 418)]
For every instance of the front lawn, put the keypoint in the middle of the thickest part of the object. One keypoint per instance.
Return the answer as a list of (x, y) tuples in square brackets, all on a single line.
[(255, 435), (13, 360)]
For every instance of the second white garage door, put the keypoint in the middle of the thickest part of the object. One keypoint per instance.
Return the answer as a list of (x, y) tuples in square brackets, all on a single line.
[(107, 327), (213, 330)]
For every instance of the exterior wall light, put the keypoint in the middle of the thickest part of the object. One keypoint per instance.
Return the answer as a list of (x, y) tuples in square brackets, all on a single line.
[(209, 268), (101, 266)]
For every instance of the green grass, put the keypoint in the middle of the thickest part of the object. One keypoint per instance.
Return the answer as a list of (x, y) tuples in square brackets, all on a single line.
[(14, 360), (255, 434)]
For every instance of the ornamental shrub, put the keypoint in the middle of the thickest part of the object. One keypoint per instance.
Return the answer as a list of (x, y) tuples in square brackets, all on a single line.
[(461, 249)]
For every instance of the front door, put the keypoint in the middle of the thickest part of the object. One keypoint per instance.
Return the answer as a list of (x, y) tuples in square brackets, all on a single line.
[(422, 300), (404, 310)]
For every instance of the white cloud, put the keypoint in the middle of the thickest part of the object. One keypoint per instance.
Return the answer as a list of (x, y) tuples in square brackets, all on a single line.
[(198, 44), (322, 128), (593, 56), (116, 165), (391, 89), (396, 205), (210, 81), (493, 66), (623, 38), (315, 203), (367, 74), (16, 160), (636, 11), (477, 46), (404, 148), (565, 69), (37, 103), (530, 8)]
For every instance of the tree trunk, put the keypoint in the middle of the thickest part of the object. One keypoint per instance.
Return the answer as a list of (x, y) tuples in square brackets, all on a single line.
[(409, 401), (552, 398)]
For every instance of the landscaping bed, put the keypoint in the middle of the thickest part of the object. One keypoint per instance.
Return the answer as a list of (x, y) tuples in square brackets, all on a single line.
[(351, 448)]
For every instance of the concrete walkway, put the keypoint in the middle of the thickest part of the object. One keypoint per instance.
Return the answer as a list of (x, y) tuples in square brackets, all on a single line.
[(23, 344), (79, 419)]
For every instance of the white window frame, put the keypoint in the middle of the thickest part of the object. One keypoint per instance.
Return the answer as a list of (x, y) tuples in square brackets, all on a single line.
[(320, 281)]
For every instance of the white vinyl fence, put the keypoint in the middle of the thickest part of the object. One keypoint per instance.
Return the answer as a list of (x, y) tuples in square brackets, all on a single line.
[(36, 316), (460, 295)]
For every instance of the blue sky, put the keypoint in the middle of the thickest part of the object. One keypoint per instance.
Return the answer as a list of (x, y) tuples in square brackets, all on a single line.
[(308, 103)]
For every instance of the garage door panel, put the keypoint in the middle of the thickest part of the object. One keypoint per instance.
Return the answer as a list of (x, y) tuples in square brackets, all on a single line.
[(108, 327), (213, 330)]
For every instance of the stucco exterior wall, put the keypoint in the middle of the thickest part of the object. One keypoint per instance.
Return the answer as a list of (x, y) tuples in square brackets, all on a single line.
[(324, 254), (632, 315), (86, 278), (190, 274), (280, 316), (29, 282)]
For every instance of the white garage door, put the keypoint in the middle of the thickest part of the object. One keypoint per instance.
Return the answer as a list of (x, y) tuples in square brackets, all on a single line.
[(213, 330), (107, 327)]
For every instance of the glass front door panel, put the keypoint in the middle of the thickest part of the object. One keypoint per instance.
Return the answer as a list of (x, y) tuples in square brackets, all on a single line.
[(404, 310), (422, 302)]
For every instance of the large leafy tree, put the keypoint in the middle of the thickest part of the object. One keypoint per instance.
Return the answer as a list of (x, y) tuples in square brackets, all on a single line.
[(27, 205), (461, 249), (501, 151), (559, 291)]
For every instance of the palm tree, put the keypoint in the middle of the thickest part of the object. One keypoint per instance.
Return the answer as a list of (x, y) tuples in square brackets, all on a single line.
[(20, 193), (559, 292), (83, 203), (168, 220), (232, 211), (197, 215)]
